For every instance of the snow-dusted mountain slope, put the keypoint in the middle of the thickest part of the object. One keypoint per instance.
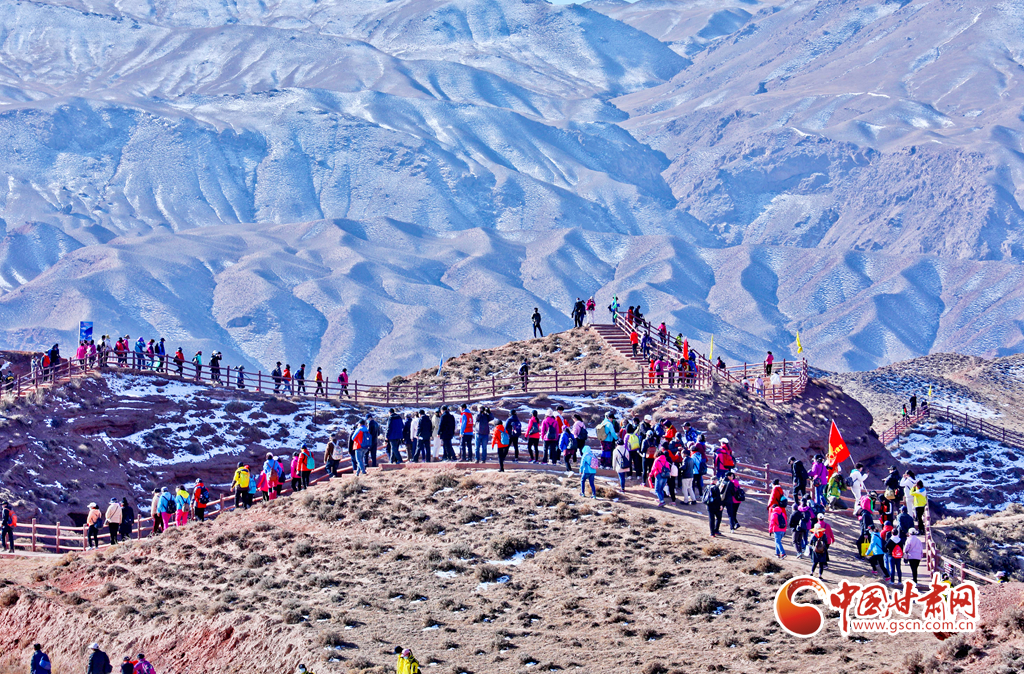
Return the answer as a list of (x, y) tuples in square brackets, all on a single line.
[(369, 184)]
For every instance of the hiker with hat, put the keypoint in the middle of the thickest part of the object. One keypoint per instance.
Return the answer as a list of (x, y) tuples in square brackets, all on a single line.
[(894, 552), (724, 460), (127, 665), (92, 522), (8, 520), (913, 552), (99, 663), (407, 663), (113, 517), (306, 464)]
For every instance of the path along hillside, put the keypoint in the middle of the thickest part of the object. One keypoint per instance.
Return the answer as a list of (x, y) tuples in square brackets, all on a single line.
[(480, 572)]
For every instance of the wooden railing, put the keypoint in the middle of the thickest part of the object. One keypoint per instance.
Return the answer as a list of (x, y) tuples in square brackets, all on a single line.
[(963, 419), (59, 539), (793, 374), (367, 394)]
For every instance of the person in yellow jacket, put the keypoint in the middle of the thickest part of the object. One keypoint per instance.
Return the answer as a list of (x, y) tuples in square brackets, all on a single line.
[(407, 664), (240, 483), (920, 502)]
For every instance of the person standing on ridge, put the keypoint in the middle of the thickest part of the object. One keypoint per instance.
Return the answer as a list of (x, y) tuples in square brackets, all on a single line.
[(536, 323), (613, 308), (394, 435), (240, 485), (215, 367), (200, 499), (8, 520), (591, 306), (277, 376), (524, 373), (113, 517), (300, 380), (424, 427), (343, 382), (466, 430), (92, 521), (127, 520), (913, 404), (286, 379), (500, 442), (197, 360), (579, 310), (446, 431), (483, 433), (320, 383), (768, 364)]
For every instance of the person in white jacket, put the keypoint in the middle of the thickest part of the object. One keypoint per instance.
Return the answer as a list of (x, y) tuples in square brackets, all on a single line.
[(913, 552), (857, 479), (907, 482), (113, 519)]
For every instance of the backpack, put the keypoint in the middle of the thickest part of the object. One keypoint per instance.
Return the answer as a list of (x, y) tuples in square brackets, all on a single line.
[(204, 496), (633, 441), (243, 480), (711, 496), (740, 495), (583, 434), (44, 663), (310, 462), (550, 433), (820, 545), (795, 519), (170, 506), (504, 439), (666, 471), (595, 461), (897, 552), (780, 521)]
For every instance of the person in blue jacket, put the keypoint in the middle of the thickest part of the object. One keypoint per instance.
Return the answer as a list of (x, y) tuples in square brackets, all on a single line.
[(587, 471), (40, 661), (567, 445), (395, 434)]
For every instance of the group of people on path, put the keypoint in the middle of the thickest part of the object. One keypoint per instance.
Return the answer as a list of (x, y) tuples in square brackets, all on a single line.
[(98, 662), (888, 532)]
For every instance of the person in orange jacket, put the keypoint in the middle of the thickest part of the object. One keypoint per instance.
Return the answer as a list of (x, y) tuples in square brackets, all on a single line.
[(501, 440)]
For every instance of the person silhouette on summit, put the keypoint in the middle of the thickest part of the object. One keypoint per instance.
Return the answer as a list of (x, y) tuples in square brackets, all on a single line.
[(536, 322)]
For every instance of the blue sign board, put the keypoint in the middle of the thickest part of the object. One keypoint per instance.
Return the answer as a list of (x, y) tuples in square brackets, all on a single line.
[(85, 331)]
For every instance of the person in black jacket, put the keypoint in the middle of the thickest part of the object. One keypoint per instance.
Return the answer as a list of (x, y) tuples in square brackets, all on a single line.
[(127, 520), (374, 428), (446, 431), (799, 474), (892, 481), (712, 498), (99, 663), (395, 433), (424, 428)]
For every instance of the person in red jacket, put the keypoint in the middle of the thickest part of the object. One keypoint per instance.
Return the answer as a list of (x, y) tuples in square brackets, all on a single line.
[(777, 520), (634, 339), (501, 441), (533, 437), (775, 495)]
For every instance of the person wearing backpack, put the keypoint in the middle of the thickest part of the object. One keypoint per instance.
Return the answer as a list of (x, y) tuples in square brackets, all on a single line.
[(154, 511), (660, 473), (549, 433), (360, 441), (819, 551), (99, 663), (913, 552), (607, 433), (424, 428), (200, 499), (514, 428), (8, 520), (724, 461), (875, 551), (466, 431), (732, 496), (894, 551), (712, 498), (621, 464), (501, 441), (40, 663), (798, 525), (687, 494), (588, 469), (182, 501), (777, 521), (142, 665), (306, 464), (567, 447), (93, 521), (240, 485)]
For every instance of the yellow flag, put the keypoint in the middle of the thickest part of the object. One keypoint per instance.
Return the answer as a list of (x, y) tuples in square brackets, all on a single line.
[(711, 350), (799, 346), (929, 391)]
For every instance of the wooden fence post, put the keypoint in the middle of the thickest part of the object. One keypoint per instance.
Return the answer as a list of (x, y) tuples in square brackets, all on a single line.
[(584, 380), (494, 388), (387, 392), (767, 479), (615, 380), (33, 534), (58, 536), (417, 388), (442, 392), (556, 381)]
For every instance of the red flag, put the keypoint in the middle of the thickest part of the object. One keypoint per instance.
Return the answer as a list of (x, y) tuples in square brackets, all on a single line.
[(837, 450), (686, 349)]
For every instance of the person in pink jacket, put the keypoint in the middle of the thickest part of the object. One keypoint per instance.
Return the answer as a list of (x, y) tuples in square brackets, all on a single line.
[(777, 520), (533, 437), (296, 477), (818, 475), (659, 476), (549, 432)]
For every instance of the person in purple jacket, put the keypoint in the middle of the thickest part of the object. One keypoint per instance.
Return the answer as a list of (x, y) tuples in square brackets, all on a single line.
[(818, 475)]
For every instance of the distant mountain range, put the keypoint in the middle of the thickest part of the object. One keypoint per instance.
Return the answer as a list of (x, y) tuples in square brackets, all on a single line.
[(373, 184)]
